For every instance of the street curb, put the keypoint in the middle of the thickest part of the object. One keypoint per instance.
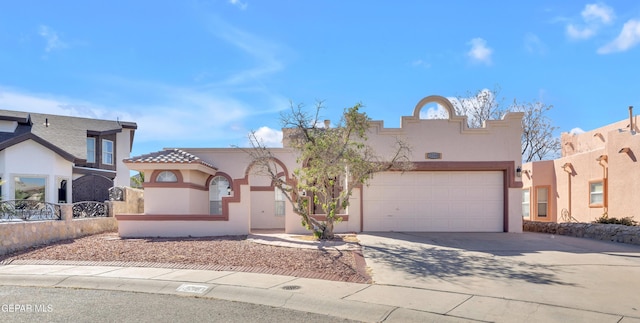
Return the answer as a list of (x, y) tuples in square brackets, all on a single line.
[(363, 277)]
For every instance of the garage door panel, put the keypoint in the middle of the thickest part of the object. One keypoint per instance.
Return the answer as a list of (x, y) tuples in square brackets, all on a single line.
[(434, 201), (441, 194)]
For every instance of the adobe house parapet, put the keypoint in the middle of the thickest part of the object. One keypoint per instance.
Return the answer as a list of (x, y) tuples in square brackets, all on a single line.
[(508, 120)]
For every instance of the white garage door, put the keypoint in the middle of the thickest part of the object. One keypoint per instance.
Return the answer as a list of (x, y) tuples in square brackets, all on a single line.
[(434, 201)]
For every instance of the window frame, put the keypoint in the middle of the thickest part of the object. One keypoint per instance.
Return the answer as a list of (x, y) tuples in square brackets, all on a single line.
[(44, 191), (174, 179), (602, 193), (528, 203), (107, 153), (221, 194), (91, 157), (547, 202), (279, 202)]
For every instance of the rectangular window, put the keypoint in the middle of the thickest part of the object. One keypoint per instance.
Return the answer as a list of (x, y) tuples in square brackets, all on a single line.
[(280, 203), (107, 152), (542, 197), (526, 203), (215, 207), (30, 188), (91, 150), (596, 194)]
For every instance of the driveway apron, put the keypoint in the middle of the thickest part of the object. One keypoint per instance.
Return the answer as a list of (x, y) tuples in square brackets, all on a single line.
[(542, 268)]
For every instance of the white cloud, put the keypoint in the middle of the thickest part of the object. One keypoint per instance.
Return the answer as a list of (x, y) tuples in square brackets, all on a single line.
[(420, 63), (576, 131), (269, 137), (267, 54), (598, 12), (239, 4), (479, 51), (579, 33), (533, 44), (186, 115), (628, 37), (11, 99), (593, 16), (52, 39), (434, 111)]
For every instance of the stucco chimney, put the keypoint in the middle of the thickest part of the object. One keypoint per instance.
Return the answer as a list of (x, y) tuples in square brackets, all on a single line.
[(631, 119), (327, 124)]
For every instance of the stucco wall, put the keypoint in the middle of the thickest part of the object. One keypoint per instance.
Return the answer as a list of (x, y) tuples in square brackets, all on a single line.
[(263, 211), (29, 158), (21, 235), (542, 174), (624, 177), (133, 202), (123, 151), (593, 156), (171, 225), (162, 200), (497, 143)]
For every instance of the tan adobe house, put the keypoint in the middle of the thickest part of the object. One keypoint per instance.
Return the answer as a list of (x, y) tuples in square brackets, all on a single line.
[(463, 180), (597, 173), (61, 159)]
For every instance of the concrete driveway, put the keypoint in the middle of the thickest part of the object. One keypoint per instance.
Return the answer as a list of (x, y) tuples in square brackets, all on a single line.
[(528, 268)]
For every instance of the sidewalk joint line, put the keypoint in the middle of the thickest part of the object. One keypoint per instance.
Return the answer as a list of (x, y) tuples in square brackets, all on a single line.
[(468, 298), (389, 313)]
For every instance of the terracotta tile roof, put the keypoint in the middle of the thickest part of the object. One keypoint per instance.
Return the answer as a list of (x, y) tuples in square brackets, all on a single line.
[(169, 156)]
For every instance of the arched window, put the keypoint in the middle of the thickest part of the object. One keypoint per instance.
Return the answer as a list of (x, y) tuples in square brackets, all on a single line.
[(219, 187), (166, 177)]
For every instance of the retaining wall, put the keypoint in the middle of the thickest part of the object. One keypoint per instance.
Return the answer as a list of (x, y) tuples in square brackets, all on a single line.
[(597, 231), (132, 203), (22, 235)]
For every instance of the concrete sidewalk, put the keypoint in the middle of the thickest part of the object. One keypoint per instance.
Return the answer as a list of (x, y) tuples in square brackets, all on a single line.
[(362, 302)]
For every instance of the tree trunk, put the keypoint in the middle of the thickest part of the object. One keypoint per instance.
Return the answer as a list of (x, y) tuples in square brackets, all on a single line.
[(327, 234)]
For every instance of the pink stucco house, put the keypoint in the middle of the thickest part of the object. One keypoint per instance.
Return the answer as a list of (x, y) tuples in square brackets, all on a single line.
[(463, 180), (597, 173)]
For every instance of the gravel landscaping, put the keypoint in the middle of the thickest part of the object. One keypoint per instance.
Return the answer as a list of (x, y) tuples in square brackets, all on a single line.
[(233, 253)]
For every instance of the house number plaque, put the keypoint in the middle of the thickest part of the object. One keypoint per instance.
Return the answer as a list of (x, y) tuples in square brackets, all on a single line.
[(434, 155)]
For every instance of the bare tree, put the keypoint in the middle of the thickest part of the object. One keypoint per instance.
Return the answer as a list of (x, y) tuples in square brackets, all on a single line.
[(479, 107), (332, 162), (538, 141)]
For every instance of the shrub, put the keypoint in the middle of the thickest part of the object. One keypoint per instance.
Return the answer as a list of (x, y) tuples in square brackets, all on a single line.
[(627, 220)]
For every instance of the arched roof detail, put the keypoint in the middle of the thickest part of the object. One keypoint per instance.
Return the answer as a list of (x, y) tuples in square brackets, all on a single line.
[(442, 101), (275, 160)]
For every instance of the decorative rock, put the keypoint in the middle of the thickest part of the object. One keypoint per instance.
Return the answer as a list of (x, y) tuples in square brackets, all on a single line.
[(598, 231)]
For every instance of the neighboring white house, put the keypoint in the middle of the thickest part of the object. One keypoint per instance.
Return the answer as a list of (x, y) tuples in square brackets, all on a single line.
[(60, 159), (464, 180)]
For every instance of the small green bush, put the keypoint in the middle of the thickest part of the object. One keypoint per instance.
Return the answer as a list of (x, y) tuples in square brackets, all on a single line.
[(627, 220)]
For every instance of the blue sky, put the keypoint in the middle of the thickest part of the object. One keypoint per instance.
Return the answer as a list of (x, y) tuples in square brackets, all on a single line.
[(205, 73)]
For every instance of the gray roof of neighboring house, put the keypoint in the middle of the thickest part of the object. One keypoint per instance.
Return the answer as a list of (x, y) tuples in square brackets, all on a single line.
[(66, 133), (169, 156)]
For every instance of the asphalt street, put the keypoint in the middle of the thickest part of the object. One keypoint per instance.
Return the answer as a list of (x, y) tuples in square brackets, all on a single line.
[(44, 304)]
